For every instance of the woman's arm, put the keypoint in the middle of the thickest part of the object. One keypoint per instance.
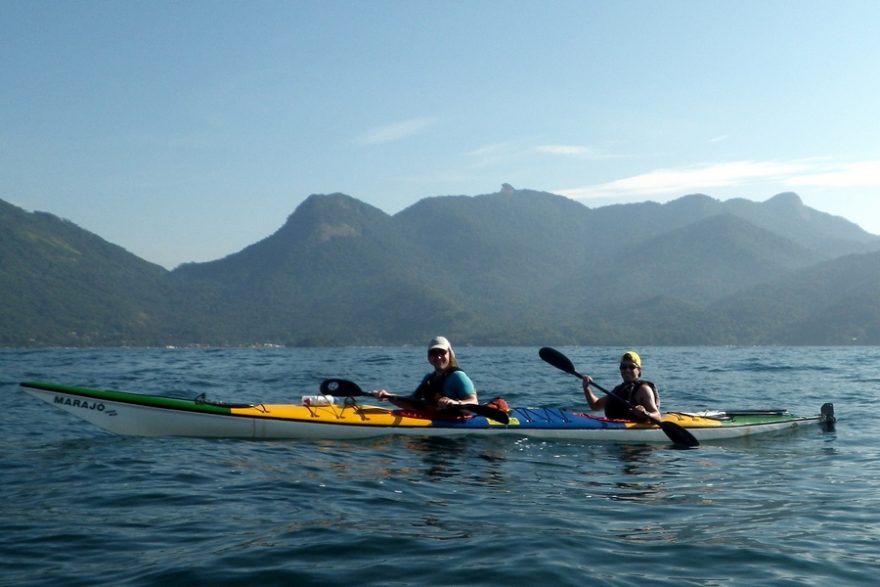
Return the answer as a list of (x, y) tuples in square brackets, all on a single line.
[(457, 390), (407, 402), (644, 402), (595, 403)]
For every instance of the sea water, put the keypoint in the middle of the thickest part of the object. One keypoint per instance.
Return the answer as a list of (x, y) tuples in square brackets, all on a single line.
[(84, 507)]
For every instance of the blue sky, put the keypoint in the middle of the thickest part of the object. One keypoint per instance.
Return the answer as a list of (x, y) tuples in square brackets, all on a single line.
[(185, 131)]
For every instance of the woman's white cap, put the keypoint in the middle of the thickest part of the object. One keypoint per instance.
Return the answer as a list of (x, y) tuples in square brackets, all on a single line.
[(440, 342)]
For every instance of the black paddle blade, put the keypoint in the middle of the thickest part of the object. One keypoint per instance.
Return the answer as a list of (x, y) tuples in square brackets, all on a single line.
[(679, 435), (341, 388), (488, 412), (558, 360)]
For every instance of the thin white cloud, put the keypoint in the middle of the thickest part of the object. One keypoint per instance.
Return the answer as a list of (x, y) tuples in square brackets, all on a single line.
[(689, 179), (493, 150), (847, 175), (396, 131), (495, 153), (718, 139), (568, 150), (505, 151)]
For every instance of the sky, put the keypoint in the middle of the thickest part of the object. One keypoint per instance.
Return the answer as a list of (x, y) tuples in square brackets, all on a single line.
[(186, 131)]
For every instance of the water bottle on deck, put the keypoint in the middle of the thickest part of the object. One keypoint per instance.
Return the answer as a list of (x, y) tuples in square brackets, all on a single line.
[(318, 400)]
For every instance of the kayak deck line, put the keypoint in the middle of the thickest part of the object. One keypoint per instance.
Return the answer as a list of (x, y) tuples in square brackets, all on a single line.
[(128, 413), (350, 412), (202, 399), (157, 401)]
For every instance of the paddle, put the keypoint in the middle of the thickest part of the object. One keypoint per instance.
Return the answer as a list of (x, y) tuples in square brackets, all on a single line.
[(676, 433), (346, 388)]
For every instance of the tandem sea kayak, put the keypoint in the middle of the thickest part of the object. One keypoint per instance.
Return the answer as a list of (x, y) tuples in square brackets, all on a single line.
[(135, 414)]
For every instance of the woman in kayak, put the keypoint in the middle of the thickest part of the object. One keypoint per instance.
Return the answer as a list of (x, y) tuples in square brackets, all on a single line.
[(445, 387), (642, 395)]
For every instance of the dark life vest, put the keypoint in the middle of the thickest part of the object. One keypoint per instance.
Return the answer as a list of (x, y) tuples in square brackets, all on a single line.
[(618, 410), (431, 389)]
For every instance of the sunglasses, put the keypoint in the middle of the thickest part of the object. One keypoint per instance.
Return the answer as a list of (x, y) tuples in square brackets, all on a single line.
[(436, 353), (628, 367)]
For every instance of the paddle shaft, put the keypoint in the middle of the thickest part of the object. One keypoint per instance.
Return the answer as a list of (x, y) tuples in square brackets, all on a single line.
[(344, 387)]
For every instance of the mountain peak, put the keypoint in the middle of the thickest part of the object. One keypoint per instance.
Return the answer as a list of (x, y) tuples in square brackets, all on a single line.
[(785, 200), (333, 209)]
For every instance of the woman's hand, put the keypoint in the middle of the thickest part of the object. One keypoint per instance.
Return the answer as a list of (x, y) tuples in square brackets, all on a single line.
[(641, 413), (594, 402), (448, 402)]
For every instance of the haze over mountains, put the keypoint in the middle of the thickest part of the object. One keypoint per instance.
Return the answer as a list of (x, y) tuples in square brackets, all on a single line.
[(517, 267)]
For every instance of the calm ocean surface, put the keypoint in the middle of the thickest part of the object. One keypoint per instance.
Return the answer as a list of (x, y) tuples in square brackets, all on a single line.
[(82, 507)]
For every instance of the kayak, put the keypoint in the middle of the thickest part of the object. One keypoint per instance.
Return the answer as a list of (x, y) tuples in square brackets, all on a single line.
[(135, 414)]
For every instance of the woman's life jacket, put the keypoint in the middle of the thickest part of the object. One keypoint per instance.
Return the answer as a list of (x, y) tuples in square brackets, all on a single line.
[(431, 389), (618, 410)]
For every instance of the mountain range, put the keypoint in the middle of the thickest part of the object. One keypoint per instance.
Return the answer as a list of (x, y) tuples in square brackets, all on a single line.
[(516, 267)]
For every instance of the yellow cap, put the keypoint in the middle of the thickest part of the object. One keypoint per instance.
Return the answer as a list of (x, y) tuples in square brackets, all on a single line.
[(632, 357)]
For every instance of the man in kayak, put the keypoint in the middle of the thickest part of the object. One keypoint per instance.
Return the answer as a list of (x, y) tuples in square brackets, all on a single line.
[(641, 394), (445, 387)]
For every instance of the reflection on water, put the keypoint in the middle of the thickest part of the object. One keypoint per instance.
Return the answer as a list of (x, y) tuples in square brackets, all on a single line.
[(634, 458), (634, 477), (478, 461), (442, 456)]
